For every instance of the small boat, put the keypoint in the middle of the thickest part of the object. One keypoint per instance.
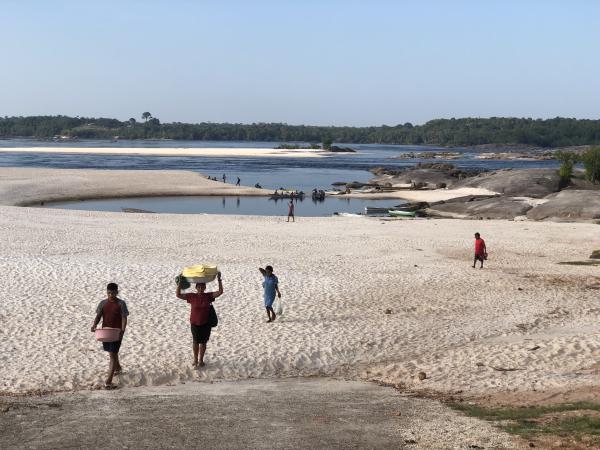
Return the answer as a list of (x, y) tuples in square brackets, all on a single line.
[(375, 210), (398, 213)]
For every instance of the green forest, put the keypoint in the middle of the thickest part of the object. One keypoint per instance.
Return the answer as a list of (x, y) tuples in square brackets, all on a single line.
[(557, 132)]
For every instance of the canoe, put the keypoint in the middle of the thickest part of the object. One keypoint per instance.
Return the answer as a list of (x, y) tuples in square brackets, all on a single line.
[(396, 213), (376, 210)]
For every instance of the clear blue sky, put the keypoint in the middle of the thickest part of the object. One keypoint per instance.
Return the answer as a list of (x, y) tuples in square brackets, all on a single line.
[(301, 62)]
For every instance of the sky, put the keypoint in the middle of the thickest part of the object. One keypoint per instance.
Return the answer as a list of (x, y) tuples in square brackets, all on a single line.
[(347, 62)]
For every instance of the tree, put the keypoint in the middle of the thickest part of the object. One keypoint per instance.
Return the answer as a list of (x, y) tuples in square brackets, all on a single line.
[(132, 121), (591, 162), (146, 116), (327, 143)]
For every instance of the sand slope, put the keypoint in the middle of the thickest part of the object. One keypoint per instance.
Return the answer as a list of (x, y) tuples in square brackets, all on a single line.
[(338, 275)]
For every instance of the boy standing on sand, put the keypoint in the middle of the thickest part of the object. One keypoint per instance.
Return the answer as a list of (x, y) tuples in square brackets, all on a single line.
[(113, 312), (291, 210), (271, 287), (480, 250), (200, 303)]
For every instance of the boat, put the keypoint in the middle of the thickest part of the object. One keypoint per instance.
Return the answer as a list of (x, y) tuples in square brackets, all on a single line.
[(369, 210), (287, 194), (399, 213)]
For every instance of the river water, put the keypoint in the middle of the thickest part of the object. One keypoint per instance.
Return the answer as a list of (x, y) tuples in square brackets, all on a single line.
[(302, 174)]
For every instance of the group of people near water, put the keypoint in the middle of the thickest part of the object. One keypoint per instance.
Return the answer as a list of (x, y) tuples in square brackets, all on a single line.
[(224, 178), (114, 313)]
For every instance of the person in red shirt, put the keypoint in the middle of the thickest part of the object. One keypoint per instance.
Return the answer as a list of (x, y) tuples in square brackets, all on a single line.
[(480, 250), (113, 312), (200, 303)]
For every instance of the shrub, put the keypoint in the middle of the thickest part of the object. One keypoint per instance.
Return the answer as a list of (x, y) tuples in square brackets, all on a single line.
[(566, 169), (591, 162)]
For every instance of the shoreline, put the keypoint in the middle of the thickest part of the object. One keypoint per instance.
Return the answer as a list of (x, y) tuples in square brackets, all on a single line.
[(29, 186)]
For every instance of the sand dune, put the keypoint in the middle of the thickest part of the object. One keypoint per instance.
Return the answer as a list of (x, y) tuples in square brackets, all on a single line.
[(461, 326)]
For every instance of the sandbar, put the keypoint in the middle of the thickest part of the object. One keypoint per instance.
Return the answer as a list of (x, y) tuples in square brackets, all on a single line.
[(175, 151)]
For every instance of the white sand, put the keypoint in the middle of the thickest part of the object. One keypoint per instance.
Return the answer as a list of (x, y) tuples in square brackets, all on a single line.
[(29, 186), (337, 275), (174, 151)]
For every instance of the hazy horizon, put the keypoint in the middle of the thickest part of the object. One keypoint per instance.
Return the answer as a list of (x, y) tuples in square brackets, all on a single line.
[(340, 63)]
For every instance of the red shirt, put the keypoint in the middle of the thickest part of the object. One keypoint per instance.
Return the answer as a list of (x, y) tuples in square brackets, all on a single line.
[(479, 247), (112, 313), (200, 303)]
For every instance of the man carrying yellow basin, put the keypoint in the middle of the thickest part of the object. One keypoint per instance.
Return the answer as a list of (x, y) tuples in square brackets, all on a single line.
[(200, 303)]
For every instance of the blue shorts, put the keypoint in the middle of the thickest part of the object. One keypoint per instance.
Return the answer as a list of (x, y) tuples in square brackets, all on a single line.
[(269, 302), (112, 347)]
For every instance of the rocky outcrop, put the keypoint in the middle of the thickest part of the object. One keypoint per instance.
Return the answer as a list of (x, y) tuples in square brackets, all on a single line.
[(569, 205), (423, 175), (536, 183), (336, 149), (487, 208)]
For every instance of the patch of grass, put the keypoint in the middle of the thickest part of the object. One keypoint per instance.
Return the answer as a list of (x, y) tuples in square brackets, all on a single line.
[(573, 420)]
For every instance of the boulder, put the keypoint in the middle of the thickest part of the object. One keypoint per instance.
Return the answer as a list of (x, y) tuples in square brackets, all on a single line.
[(487, 208), (537, 183), (595, 254), (423, 175), (336, 149), (569, 205)]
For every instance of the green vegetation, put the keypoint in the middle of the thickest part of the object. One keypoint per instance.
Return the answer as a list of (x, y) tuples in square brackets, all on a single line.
[(568, 159), (571, 420), (558, 132), (591, 162), (298, 147), (327, 143)]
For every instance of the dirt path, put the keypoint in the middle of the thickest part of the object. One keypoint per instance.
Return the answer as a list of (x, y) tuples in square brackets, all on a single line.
[(276, 414)]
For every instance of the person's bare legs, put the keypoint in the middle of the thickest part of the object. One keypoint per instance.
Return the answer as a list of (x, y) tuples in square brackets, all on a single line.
[(195, 347), (271, 314), (474, 261), (111, 367), (118, 368), (202, 351)]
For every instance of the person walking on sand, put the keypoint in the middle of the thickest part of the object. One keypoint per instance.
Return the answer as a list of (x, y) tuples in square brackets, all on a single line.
[(271, 287), (200, 303), (480, 251), (113, 312), (291, 211), (224, 179), (237, 183)]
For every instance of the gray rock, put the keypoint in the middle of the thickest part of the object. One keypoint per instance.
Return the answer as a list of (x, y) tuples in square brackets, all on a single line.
[(595, 254), (490, 208), (569, 205), (537, 183)]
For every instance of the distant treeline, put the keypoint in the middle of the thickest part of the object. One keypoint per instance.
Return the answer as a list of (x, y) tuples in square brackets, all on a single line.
[(558, 132)]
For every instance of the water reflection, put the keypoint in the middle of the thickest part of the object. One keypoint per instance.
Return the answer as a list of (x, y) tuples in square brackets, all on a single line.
[(262, 206)]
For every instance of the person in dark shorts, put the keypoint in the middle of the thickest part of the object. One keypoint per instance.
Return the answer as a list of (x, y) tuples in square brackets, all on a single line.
[(200, 302), (480, 251), (113, 312)]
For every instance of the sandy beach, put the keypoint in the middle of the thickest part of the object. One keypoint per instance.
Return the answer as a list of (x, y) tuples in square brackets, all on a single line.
[(524, 323), (161, 151)]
